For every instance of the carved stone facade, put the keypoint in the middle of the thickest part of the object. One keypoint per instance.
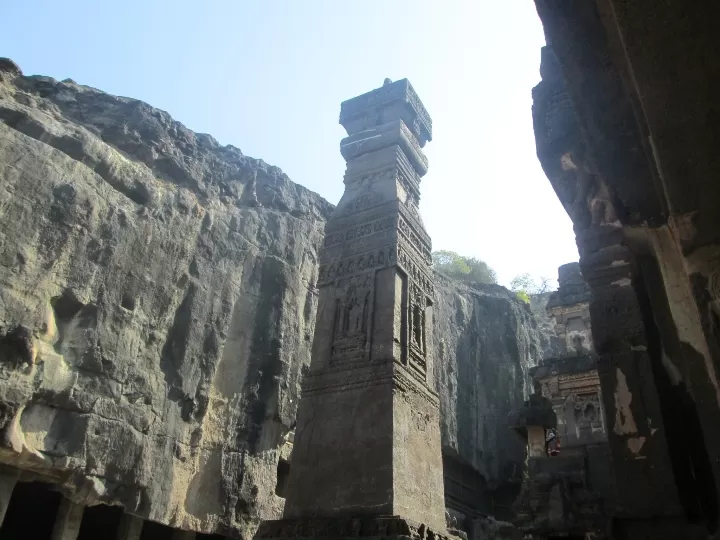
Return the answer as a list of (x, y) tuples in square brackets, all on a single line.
[(571, 382), (570, 307), (626, 129), (572, 386), (566, 494), (367, 441), (563, 496)]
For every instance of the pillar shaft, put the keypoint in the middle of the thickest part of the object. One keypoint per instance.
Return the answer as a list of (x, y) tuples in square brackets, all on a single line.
[(67, 521), (8, 479)]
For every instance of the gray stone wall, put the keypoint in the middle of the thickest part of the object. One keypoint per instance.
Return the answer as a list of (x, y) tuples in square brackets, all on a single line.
[(487, 340), (157, 306)]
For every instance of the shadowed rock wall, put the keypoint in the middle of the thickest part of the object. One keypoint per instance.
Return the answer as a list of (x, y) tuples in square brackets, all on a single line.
[(487, 341)]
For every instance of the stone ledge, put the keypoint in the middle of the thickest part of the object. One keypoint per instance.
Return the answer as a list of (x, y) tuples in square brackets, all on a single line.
[(385, 527)]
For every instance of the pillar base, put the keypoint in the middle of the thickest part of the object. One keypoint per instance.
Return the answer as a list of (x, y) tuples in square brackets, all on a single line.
[(340, 528)]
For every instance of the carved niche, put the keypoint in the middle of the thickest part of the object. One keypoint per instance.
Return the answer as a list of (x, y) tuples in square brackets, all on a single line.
[(587, 411), (417, 328), (353, 306)]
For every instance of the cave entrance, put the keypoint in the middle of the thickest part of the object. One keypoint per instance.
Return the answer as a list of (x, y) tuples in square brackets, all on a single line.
[(156, 531), (283, 475), (100, 521), (31, 512)]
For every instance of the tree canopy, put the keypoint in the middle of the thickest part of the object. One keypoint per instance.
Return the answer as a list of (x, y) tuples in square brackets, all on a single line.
[(523, 285), (468, 269)]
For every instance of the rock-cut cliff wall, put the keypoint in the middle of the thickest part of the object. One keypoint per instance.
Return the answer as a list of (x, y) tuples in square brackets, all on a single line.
[(157, 308), (487, 341)]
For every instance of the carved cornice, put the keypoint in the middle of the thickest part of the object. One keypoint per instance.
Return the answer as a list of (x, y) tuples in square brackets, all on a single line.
[(384, 136), (355, 264), (420, 273), (343, 376), (394, 100)]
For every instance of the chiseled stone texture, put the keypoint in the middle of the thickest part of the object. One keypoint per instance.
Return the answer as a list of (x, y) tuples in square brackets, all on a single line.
[(487, 341), (157, 307)]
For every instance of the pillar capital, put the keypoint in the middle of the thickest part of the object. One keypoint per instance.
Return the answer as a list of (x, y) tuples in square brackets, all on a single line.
[(392, 101)]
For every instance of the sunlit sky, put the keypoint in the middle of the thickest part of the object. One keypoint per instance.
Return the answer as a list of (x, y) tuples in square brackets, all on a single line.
[(268, 77)]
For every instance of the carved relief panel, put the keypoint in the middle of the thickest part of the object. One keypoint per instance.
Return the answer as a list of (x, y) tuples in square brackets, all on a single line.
[(416, 331), (351, 324), (587, 411)]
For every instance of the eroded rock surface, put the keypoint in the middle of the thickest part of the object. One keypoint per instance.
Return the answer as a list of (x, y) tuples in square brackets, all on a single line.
[(487, 341), (157, 306)]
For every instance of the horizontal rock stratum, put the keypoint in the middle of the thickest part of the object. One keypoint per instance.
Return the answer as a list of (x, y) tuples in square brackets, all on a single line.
[(157, 307)]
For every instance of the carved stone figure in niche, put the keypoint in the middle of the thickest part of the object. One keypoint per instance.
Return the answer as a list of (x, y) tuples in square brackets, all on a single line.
[(587, 410), (355, 313), (352, 315), (417, 326)]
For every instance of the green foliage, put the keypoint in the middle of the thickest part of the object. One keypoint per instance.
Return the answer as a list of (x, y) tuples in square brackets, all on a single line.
[(522, 295), (522, 282), (468, 269), (528, 285)]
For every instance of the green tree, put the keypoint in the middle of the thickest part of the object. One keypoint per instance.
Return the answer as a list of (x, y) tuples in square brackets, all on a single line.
[(523, 282), (467, 269), (524, 285)]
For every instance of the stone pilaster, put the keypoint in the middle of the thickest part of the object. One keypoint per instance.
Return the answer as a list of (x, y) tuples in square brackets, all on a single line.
[(130, 527), (8, 479), (68, 520), (368, 440), (629, 351), (636, 430)]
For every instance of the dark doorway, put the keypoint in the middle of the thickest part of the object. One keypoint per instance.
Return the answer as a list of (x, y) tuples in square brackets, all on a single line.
[(156, 531), (100, 521), (283, 473), (31, 512)]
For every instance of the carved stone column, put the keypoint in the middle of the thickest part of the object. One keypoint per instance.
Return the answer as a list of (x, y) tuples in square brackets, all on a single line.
[(68, 520), (621, 317), (367, 444)]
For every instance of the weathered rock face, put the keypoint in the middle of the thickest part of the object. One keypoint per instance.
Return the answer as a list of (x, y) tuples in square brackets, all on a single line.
[(487, 341), (157, 306), (551, 344)]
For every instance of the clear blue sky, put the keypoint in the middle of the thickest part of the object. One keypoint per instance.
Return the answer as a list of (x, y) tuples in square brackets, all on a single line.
[(268, 76)]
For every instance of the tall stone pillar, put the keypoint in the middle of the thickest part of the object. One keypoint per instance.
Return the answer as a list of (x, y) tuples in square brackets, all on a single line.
[(67, 521), (367, 444), (656, 491)]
